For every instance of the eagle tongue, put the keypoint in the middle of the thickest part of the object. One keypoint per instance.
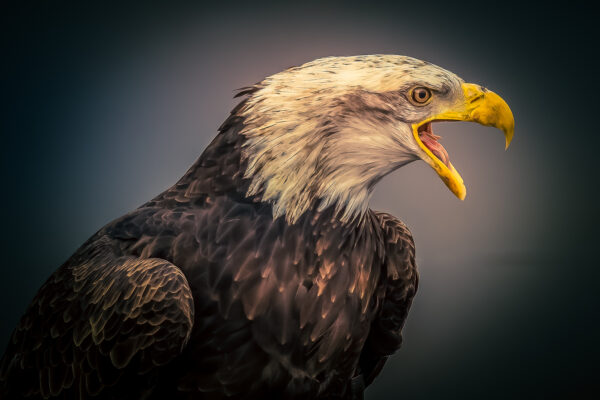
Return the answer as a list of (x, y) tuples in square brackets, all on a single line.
[(431, 141)]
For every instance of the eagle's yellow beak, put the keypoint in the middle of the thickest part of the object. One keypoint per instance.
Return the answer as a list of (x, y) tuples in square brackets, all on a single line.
[(479, 105)]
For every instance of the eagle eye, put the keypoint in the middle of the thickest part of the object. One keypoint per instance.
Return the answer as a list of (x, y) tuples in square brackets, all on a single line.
[(420, 95)]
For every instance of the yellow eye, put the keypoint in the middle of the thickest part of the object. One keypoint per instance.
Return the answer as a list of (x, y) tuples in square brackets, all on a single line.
[(420, 95)]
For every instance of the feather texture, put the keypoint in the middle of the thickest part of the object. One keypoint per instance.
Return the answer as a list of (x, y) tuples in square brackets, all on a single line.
[(102, 322)]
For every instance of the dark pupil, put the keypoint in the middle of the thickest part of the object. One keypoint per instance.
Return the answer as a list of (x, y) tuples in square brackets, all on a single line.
[(422, 94)]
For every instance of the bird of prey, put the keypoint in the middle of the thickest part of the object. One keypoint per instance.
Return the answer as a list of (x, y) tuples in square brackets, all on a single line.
[(262, 273)]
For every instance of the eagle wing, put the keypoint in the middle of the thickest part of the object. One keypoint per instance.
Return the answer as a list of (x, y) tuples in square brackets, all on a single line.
[(101, 319), (400, 280)]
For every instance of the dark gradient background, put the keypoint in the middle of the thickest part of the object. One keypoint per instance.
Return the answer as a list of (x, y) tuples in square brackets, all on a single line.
[(103, 108)]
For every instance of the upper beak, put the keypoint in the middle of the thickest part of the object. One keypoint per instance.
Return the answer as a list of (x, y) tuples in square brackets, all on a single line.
[(478, 105)]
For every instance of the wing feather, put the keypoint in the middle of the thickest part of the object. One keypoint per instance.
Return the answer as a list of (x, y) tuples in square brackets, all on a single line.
[(98, 319), (400, 282)]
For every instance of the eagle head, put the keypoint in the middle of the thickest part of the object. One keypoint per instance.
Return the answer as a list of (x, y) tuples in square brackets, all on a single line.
[(324, 133)]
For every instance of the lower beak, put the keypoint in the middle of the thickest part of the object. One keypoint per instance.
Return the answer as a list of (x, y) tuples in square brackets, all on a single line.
[(479, 105)]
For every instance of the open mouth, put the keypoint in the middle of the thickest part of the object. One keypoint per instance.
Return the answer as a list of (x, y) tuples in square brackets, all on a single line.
[(431, 141), (479, 105)]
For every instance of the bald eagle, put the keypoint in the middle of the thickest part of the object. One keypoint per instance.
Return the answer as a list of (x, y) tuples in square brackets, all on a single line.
[(262, 273)]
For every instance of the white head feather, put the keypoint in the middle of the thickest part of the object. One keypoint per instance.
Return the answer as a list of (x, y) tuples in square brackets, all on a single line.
[(322, 134)]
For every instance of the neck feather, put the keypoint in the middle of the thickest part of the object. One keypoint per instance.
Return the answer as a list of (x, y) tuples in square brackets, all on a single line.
[(311, 166)]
